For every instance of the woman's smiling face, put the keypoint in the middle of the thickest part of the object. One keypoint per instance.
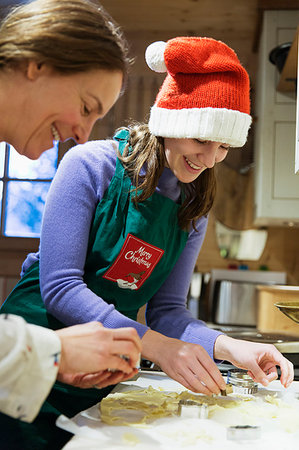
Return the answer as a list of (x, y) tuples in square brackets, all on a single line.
[(188, 158), (60, 107)]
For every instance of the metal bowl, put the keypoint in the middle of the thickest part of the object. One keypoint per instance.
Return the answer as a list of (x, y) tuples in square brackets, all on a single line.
[(290, 309)]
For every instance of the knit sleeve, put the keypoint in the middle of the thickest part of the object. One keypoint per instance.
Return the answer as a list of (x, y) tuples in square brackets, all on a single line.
[(29, 358), (167, 313), (80, 183)]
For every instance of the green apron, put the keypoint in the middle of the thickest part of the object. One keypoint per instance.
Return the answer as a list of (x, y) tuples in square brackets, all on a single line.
[(131, 251)]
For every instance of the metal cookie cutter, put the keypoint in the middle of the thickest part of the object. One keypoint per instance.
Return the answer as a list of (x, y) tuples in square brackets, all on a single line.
[(243, 432), (126, 358), (190, 409), (241, 382)]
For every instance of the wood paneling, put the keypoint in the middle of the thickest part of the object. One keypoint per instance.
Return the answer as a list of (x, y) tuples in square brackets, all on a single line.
[(281, 253), (234, 200), (184, 15)]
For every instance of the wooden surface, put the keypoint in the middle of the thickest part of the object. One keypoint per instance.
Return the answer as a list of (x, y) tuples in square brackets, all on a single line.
[(282, 290), (269, 318), (234, 200), (178, 15)]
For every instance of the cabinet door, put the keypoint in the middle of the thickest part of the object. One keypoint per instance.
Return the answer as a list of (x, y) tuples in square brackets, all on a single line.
[(276, 184)]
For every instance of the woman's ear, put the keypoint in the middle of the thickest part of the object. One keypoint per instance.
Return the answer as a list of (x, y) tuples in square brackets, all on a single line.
[(34, 70)]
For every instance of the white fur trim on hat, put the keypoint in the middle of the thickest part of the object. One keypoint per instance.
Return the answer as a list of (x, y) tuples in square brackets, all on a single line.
[(154, 56), (212, 124)]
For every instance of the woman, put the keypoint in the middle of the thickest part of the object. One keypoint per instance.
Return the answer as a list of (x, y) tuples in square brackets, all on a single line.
[(135, 217), (62, 66)]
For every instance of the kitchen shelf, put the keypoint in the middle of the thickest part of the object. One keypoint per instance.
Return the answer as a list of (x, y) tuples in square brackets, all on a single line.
[(287, 82)]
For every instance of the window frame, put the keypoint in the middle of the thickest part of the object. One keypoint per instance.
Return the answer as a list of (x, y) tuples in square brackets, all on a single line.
[(14, 243)]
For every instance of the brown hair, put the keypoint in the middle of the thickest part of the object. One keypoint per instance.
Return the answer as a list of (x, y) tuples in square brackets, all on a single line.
[(69, 35), (148, 150)]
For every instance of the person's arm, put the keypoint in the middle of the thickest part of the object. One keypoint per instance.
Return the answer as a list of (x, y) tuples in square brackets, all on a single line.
[(166, 312), (29, 360), (82, 178), (260, 360), (187, 363), (182, 345)]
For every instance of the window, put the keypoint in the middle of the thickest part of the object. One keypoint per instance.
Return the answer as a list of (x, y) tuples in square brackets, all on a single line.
[(24, 185)]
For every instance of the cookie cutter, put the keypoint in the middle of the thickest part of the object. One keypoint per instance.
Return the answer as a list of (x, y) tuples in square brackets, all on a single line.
[(243, 432), (126, 358), (241, 382), (190, 409)]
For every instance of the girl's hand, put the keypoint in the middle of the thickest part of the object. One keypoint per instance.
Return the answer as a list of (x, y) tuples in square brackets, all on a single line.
[(260, 360), (189, 364)]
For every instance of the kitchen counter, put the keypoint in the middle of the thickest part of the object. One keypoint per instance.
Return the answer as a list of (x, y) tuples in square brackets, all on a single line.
[(176, 432)]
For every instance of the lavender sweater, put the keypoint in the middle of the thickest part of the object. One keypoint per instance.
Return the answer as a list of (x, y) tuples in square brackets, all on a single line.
[(82, 178)]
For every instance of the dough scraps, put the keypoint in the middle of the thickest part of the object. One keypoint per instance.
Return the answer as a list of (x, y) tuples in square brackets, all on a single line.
[(142, 406)]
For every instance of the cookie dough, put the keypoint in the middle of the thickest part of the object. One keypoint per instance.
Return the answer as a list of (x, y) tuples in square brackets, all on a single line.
[(143, 406)]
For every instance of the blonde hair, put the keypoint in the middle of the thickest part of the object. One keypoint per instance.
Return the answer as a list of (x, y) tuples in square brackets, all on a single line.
[(148, 150), (69, 35)]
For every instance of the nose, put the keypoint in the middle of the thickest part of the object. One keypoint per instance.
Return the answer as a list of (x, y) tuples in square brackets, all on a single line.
[(209, 155), (82, 132)]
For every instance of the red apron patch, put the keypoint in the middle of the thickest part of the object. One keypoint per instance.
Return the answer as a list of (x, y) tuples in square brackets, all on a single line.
[(134, 264)]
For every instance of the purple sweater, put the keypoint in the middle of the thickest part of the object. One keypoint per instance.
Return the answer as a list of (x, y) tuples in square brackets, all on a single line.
[(82, 178)]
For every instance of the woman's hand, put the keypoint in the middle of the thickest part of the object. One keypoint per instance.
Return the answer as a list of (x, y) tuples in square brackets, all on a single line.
[(189, 364), (260, 360), (95, 380), (91, 348)]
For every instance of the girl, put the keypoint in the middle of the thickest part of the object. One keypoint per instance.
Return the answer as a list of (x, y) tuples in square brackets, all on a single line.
[(125, 220)]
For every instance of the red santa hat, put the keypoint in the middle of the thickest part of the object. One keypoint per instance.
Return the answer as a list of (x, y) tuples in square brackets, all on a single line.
[(205, 94)]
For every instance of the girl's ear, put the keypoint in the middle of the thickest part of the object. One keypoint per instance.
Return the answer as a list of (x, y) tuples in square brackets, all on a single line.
[(34, 70)]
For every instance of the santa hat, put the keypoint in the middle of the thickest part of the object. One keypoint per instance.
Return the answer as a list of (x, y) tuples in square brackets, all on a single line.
[(205, 94)]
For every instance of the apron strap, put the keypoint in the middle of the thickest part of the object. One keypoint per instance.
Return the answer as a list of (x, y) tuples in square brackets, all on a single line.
[(122, 137)]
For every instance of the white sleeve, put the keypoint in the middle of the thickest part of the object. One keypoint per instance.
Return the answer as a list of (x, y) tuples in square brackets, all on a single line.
[(29, 359)]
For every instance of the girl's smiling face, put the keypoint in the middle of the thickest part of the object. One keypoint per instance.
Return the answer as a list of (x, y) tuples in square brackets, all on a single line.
[(188, 158), (60, 107)]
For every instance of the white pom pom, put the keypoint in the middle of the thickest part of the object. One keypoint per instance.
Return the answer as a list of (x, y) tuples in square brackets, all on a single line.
[(154, 56)]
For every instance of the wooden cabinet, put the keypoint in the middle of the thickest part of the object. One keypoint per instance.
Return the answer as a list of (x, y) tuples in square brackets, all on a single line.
[(269, 318), (276, 183)]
